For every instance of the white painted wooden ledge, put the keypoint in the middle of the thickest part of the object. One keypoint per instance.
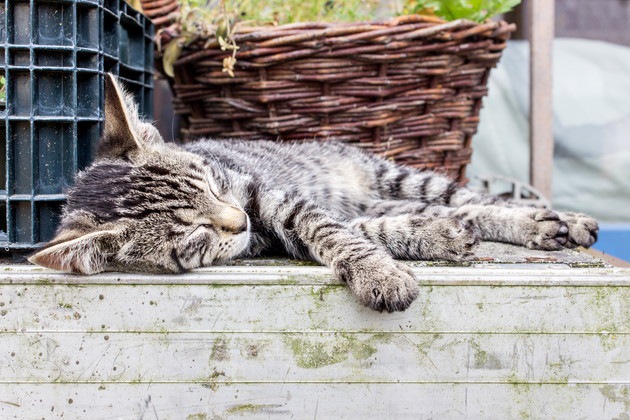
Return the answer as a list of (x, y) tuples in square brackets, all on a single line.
[(506, 338)]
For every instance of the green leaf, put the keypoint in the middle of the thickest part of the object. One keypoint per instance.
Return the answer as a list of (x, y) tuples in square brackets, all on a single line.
[(3, 90), (504, 6), (476, 10), (171, 54)]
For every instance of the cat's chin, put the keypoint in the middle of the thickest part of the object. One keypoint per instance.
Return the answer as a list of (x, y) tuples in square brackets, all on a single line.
[(233, 247), (240, 245)]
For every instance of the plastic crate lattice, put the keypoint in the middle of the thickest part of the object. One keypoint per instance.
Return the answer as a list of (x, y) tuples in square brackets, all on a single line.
[(54, 55)]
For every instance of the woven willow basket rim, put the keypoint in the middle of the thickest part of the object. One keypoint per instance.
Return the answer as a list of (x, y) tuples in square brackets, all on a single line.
[(408, 88), (269, 36)]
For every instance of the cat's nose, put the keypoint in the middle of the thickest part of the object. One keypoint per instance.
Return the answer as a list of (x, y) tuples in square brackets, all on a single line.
[(242, 228), (237, 226), (232, 220)]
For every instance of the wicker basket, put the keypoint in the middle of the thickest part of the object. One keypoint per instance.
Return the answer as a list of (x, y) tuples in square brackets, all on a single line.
[(159, 11), (409, 88)]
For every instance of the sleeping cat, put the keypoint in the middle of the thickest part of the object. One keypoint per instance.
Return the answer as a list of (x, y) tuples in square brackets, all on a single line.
[(148, 206)]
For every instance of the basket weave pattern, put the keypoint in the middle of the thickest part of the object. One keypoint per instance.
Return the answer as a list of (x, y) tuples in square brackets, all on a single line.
[(159, 11), (409, 88)]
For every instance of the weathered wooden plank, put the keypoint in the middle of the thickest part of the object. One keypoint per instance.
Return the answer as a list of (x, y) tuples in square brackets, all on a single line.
[(491, 341), (477, 275), (541, 19), (314, 401), (217, 308), (314, 357)]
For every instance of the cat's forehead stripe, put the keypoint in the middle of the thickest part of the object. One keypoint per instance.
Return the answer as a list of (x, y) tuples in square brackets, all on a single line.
[(119, 190), (159, 170)]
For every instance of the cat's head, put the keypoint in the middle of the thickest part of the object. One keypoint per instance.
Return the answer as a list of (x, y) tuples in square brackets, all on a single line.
[(144, 205)]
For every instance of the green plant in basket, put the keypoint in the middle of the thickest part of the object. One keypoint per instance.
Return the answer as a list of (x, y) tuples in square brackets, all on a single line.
[(290, 11), (217, 21), (475, 10)]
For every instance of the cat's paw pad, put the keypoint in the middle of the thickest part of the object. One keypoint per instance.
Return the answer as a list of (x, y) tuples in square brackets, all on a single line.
[(448, 239), (379, 283), (544, 230), (583, 229)]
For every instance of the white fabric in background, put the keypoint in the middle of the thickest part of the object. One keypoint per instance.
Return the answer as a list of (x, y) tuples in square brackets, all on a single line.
[(591, 125)]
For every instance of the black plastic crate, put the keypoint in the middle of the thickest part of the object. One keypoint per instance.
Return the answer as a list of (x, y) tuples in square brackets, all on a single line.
[(54, 55)]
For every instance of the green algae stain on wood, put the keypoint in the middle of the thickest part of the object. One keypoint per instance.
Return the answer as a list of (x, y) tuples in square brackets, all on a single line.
[(483, 359), (604, 305), (425, 342), (618, 395), (315, 352), (608, 341), (244, 409), (197, 416), (320, 293)]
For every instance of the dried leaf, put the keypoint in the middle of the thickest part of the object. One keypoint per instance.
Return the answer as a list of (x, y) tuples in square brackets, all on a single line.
[(224, 45), (136, 4), (228, 65)]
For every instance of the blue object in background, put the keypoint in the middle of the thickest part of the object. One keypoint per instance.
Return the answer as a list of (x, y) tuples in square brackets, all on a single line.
[(614, 239)]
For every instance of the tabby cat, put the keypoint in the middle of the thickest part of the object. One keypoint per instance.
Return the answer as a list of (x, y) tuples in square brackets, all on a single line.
[(149, 206)]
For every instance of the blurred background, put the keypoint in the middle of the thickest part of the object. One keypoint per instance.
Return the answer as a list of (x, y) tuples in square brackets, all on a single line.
[(591, 115)]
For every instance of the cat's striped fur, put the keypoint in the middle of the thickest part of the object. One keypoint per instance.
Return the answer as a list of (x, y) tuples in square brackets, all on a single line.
[(153, 207)]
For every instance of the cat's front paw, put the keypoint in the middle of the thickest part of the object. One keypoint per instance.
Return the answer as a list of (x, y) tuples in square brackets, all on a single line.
[(583, 229), (379, 282)]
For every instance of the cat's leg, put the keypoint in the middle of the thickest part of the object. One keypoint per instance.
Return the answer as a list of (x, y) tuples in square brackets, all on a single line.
[(528, 226), (417, 237), (532, 227), (543, 229), (393, 182), (378, 208), (307, 231)]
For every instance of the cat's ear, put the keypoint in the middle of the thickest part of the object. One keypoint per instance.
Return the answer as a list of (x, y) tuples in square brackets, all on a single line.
[(78, 253), (120, 136)]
